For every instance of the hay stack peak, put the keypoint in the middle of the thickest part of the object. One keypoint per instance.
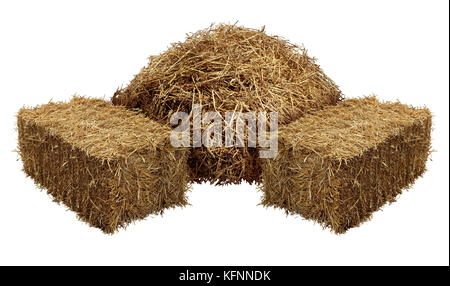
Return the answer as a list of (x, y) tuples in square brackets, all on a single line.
[(226, 68)]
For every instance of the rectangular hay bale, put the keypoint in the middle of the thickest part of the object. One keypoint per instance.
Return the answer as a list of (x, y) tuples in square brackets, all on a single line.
[(108, 164), (339, 165)]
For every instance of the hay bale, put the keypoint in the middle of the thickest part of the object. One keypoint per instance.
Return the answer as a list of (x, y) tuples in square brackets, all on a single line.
[(235, 69), (109, 165), (339, 165)]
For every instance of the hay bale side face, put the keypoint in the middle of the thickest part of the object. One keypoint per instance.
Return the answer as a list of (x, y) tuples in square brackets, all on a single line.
[(341, 164), (227, 68), (107, 164)]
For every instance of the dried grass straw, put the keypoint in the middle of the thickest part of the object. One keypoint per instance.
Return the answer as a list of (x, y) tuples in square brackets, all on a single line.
[(339, 165), (109, 165), (235, 69)]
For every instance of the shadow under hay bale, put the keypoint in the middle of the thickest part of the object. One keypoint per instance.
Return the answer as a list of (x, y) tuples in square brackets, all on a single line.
[(227, 68), (339, 165), (109, 165)]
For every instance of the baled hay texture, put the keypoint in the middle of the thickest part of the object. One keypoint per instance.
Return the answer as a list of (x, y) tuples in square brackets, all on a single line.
[(343, 163), (109, 165), (235, 69)]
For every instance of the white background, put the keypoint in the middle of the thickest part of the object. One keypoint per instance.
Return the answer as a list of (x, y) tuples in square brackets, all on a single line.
[(53, 49)]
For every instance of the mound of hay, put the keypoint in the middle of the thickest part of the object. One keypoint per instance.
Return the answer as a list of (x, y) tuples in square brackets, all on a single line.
[(109, 165), (339, 165), (235, 69)]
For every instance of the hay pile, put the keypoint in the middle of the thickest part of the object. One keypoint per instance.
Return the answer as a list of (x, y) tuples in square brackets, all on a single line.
[(109, 165), (229, 68), (341, 164), (337, 162)]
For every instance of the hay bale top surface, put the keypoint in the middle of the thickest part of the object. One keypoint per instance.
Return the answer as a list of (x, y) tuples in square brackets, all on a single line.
[(97, 127), (230, 68), (351, 127)]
